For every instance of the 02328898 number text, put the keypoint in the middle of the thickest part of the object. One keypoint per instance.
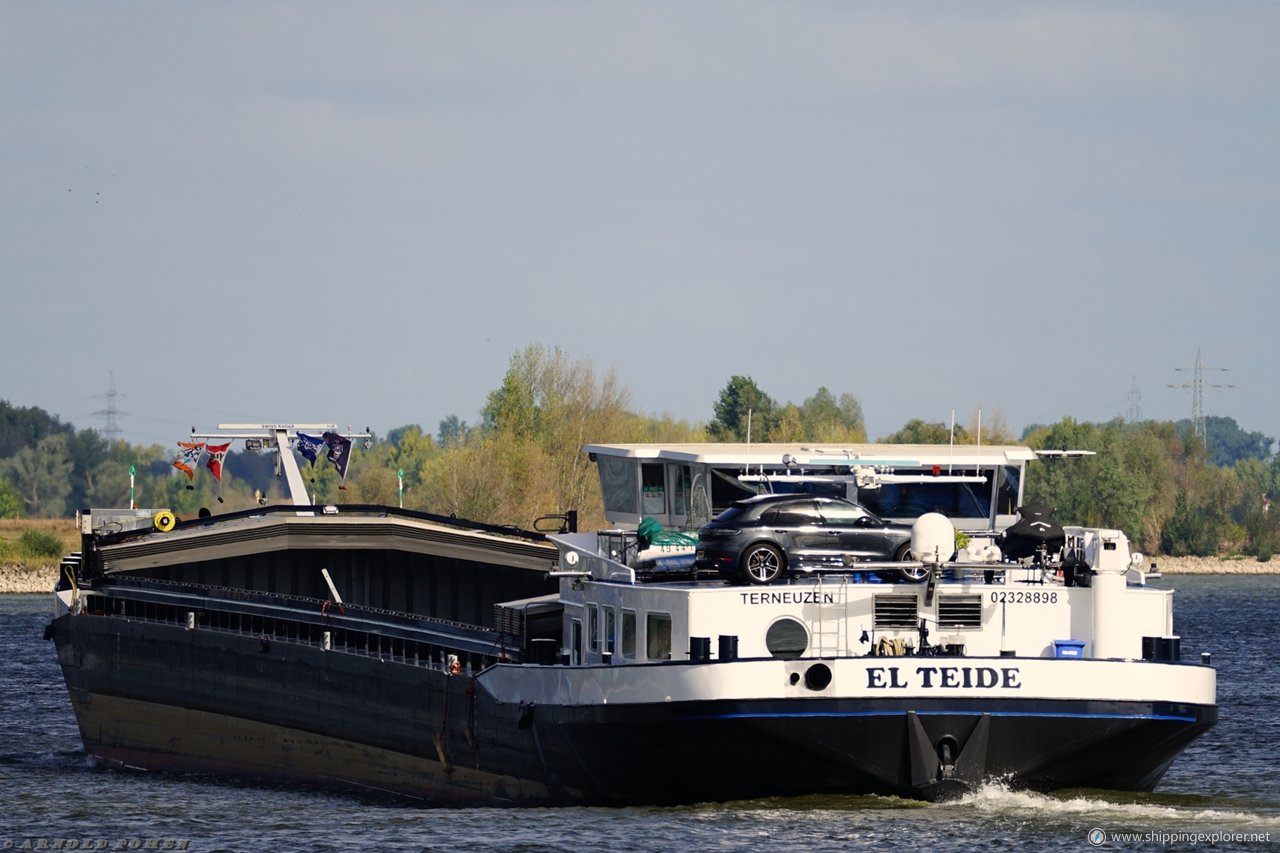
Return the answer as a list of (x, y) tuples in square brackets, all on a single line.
[(1024, 597)]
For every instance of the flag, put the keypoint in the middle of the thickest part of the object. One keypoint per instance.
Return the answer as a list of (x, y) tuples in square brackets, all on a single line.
[(309, 446), (217, 453), (339, 452), (190, 458)]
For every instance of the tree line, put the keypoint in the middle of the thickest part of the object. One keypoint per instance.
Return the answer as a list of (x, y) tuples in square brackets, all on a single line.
[(1167, 489)]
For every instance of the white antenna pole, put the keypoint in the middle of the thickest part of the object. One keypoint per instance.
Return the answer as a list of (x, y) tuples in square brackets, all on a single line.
[(333, 590), (952, 442)]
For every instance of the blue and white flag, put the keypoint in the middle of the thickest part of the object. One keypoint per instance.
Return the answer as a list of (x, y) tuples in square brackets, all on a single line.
[(309, 446), (339, 452)]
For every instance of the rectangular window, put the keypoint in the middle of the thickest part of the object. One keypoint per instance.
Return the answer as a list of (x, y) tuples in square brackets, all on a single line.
[(575, 642), (593, 614), (608, 629), (657, 628), (682, 478), (653, 486), (629, 634), (912, 500), (1010, 490), (618, 483)]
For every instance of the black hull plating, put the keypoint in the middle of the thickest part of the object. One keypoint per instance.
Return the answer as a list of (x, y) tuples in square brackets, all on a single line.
[(159, 697)]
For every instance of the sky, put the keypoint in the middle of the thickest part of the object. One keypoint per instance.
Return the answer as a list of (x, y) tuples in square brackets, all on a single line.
[(358, 213)]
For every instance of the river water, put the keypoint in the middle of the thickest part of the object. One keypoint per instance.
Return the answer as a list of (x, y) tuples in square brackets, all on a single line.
[(1224, 792)]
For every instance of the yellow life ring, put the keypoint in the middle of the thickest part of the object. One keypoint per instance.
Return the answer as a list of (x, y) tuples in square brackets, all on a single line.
[(164, 521)]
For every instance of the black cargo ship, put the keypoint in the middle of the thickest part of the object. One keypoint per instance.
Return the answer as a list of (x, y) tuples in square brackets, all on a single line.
[(379, 649)]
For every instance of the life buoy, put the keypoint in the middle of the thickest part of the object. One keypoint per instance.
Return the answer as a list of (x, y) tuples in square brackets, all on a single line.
[(164, 521)]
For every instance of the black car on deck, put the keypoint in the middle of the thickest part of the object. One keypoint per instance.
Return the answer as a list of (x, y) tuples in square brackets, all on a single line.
[(763, 538)]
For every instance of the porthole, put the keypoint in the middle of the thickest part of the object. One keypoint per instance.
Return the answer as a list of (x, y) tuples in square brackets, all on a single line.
[(787, 639)]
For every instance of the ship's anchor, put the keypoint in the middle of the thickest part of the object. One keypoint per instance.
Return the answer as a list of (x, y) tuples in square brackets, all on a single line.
[(943, 768)]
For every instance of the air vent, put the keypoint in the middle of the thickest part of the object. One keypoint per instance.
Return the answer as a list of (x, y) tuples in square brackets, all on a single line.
[(896, 611), (509, 621), (960, 611)]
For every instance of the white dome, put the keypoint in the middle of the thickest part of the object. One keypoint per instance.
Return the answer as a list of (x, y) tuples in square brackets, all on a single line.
[(933, 538)]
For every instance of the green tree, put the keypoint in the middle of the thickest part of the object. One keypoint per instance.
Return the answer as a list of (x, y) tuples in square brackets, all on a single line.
[(988, 426), (788, 425), (742, 405), (24, 427), (108, 484), (1228, 443), (1130, 474), (511, 406), (916, 431), (10, 501), (42, 475), (410, 449), (1188, 532), (452, 431), (528, 460), (1066, 483), (833, 421), (852, 419)]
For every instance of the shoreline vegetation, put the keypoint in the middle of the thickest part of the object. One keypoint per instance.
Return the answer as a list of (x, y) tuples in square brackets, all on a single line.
[(18, 579)]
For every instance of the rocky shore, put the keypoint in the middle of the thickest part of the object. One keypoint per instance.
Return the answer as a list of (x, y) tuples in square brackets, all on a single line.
[(16, 579), (1214, 566)]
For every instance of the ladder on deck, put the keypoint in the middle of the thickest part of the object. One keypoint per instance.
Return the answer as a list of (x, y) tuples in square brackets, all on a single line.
[(829, 626)]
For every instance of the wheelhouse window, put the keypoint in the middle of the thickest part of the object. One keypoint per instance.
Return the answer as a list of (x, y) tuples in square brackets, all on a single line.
[(618, 484), (629, 634), (653, 487), (609, 619), (657, 632), (1009, 489), (681, 484), (912, 500), (593, 613), (726, 489), (575, 642), (781, 486)]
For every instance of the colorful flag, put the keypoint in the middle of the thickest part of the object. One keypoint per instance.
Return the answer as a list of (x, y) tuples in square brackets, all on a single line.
[(339, 452), (190, 458), (217, 453), (309, 446)]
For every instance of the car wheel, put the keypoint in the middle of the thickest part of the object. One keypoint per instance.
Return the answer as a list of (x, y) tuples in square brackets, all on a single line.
[(762, 564), (908, 574)]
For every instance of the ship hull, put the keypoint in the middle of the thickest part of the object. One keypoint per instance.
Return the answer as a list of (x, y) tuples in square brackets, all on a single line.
[(160, 697)]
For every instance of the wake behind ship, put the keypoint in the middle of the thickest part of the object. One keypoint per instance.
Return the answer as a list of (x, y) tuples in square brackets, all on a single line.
[(456, 663)]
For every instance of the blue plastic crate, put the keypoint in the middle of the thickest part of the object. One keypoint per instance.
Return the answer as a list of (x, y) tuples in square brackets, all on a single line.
[(1068, 648)]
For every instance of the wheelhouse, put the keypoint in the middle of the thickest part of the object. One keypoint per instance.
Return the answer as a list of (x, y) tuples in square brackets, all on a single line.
[(683, 486)]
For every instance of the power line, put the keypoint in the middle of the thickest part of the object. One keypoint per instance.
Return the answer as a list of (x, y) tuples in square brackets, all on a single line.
[(1197, 391)]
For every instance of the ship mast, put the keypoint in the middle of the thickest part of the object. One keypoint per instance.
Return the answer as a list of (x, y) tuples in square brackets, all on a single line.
[(282, 437)]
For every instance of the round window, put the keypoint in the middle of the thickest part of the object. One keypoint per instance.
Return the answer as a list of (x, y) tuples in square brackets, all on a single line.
[(786, 638)]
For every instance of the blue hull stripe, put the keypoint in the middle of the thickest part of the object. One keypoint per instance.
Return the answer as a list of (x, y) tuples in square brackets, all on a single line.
[(967, 713)]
